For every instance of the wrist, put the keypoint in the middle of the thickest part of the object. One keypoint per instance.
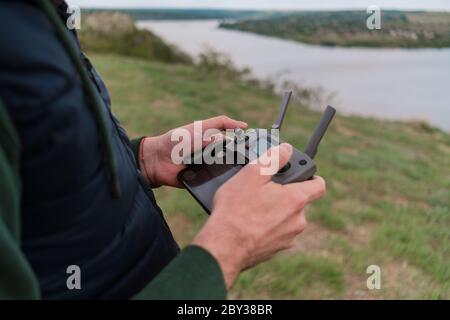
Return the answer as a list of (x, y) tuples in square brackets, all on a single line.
[(226, 246), (148, 160)]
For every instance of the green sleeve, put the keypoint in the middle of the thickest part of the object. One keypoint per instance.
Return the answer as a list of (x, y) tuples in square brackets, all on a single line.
[(136, 146), (17, 280), (193, 275)]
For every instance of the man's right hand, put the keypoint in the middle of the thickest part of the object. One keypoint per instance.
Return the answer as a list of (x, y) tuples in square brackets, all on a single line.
[(253, 218)]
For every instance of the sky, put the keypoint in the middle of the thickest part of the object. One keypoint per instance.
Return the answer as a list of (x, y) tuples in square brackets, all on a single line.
[(267, 4)]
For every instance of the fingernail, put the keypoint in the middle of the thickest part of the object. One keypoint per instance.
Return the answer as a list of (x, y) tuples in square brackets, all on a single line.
[(287, 147)]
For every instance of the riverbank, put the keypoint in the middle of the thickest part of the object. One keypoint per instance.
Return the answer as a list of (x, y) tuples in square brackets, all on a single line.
[(399, 29)]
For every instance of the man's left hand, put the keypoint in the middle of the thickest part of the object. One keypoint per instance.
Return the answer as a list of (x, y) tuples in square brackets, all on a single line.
[(155, 156)]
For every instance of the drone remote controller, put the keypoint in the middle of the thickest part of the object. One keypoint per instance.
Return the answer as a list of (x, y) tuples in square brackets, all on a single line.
[(203, 180)]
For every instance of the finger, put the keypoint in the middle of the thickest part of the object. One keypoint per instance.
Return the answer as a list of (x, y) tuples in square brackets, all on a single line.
[(205, 129), (270, 162), (302, 223), (211, 145), (308, 191), (223, 123), (297, 222), (214, 138)]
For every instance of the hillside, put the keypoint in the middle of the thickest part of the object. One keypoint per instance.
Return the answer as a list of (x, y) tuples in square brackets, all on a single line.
[(183, 14), (348, 28), (106, 32), (388, 185)]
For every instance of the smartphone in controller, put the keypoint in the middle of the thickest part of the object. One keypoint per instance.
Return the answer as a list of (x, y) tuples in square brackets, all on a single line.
[(203, 180)]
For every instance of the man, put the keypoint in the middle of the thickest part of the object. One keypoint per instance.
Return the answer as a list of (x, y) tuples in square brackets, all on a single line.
[(79, 191)]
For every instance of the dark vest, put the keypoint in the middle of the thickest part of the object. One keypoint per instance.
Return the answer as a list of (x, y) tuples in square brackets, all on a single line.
[(69, 215)]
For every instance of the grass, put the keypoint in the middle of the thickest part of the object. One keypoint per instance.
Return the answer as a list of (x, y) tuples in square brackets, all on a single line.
[(308, 276), (388, 200), (348, 28)]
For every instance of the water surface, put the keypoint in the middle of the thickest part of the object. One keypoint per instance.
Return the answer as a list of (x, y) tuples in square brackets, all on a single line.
[(386, 83)]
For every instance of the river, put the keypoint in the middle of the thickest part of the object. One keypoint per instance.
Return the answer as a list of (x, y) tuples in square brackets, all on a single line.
[(405, 84)]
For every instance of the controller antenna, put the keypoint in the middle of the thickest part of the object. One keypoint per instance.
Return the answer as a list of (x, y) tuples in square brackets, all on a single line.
[(283, 109), (319, 132)]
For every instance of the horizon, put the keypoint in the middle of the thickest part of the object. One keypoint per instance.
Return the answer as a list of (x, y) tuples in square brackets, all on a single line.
[(256, 9), (264, 5)]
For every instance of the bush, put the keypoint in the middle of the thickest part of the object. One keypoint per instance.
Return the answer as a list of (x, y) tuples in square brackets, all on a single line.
[(212, 61)]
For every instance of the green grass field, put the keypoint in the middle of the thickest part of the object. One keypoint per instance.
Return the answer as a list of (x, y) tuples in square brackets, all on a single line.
[(388, 200)]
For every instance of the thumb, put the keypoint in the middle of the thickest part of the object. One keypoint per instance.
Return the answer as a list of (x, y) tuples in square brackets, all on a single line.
[(271, 161)]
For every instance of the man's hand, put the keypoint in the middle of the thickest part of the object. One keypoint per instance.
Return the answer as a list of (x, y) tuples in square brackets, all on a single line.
[(155, 158), (253, 218)]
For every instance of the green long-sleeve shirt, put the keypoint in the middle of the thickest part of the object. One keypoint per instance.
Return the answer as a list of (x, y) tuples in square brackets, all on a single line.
[(193, 274)]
